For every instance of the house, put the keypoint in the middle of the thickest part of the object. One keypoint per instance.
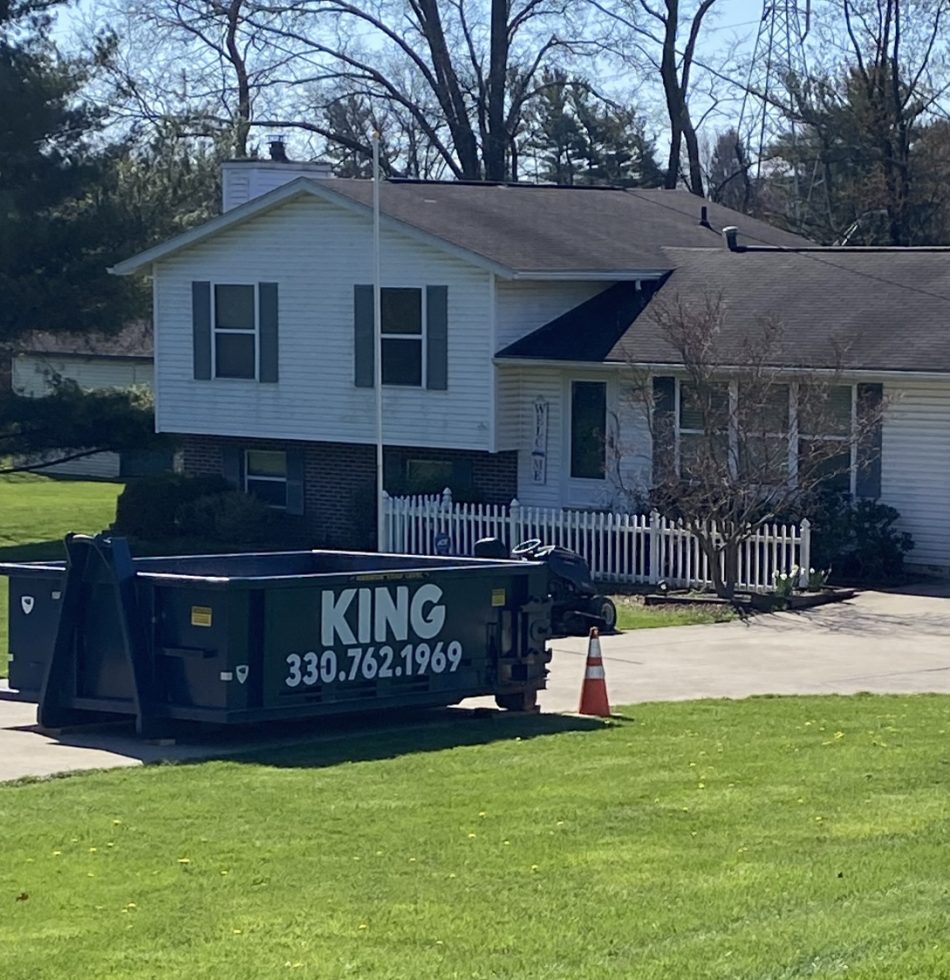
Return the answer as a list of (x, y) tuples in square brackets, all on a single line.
[(98, 360), (510, 318)]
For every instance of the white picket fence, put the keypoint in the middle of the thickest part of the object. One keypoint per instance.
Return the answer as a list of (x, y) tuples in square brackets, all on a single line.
[(628, 548)]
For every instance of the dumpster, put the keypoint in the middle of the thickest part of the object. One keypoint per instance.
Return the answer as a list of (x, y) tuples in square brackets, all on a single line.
[(277, 635)]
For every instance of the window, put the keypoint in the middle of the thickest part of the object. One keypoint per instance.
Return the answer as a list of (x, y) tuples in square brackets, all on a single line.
[(235, 331), (401, 326), (760, 437), (763, 428), (703, 429), (588, 430), (265, 476), (825, 447)]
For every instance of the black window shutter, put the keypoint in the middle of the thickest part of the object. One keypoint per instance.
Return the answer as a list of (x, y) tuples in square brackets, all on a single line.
[(232, 465), (364, 340), (437, 337), (267, 321), (201, 328), (295, 467), (870, 442), (664, 429)]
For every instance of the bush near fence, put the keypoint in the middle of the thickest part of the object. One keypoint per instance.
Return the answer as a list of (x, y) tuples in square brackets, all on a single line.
[(622, 548)]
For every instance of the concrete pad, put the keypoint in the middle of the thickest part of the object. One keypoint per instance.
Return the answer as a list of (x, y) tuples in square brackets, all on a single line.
[(878, 642)]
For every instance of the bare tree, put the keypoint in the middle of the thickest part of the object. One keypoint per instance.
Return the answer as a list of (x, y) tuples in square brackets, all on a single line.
[(754, 441), (665, 36)]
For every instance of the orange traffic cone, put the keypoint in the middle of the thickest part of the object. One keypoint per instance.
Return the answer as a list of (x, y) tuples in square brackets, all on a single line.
[(594, 690)]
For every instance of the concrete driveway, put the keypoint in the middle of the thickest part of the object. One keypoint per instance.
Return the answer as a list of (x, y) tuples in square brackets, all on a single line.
[(879, 642)]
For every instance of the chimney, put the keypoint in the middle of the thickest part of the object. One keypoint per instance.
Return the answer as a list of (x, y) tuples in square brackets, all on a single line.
[(729, 236), (704, 217), (277, 146)]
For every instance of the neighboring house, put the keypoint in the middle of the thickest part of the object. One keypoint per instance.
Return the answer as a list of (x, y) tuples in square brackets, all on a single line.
[(510, 315), (93, 361)]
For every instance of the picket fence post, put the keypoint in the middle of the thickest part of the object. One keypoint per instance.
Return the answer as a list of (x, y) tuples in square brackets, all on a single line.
[(386, 536), (654, 547), (804, 554), (514, 523)]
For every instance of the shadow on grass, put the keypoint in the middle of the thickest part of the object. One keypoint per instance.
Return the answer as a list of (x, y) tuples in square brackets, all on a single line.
[(319, 743)]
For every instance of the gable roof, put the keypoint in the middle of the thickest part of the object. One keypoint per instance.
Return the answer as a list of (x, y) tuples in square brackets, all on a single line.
[(539, 228), (860, 309), (587, 333), (536, 231)]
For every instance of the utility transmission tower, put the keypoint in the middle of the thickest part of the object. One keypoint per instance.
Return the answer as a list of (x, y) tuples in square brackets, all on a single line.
[(778, 61)]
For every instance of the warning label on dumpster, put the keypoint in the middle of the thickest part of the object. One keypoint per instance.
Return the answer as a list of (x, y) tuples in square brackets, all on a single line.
[(200, 615)]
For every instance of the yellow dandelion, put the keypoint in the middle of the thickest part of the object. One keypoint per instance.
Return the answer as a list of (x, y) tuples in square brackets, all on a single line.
[(116, 823), (89, 874), (363, 925), (237, 932), (110, 844), (482, 813), (412, 860), (225, 872), (534, 867), (506, 842), (184, 860), (93, 850), (452, 874), (57, 853), (839, 734), (472, 836), (131, 905)]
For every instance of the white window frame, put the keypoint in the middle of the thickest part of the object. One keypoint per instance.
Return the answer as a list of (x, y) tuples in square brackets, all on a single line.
[(215, 330), (248, 477), (794, 435), (850, 438), (421, 337)]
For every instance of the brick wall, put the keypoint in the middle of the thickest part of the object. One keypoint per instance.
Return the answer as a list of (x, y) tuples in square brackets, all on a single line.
[(340, 480)]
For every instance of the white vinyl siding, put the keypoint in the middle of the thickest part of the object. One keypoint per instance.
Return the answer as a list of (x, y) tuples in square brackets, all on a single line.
[(316, 252), (915, 472), (32, 372), (522, 307), (31, 376)]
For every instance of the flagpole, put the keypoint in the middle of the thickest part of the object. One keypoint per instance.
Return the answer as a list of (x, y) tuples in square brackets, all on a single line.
[(378, 355)]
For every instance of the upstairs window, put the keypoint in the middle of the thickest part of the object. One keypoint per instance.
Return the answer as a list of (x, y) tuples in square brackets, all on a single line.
[(402, 331), (235, 332), (414, 335)]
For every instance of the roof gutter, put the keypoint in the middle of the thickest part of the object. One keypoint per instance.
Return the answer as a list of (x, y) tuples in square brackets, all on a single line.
[(858, 373), (588, 275)]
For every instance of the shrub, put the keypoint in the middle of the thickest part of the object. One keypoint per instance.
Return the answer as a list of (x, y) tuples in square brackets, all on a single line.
[(148, 509), (235, 519), (858, 540)]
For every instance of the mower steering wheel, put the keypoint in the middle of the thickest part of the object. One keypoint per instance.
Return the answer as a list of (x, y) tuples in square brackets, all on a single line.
[(526, 548)]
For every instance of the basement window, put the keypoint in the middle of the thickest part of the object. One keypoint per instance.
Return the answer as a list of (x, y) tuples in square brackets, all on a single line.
[(265, 476)]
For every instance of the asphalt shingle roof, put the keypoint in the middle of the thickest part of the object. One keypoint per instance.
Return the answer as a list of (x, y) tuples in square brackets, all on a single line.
[(860, 309), (538, 228)]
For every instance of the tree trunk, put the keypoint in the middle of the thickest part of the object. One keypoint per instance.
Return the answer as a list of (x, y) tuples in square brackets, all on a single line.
[(496, 138), (242, 123)]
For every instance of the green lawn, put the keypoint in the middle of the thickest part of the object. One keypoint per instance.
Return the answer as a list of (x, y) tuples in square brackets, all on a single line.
[(632, 614), (35, 513), (768, 838)]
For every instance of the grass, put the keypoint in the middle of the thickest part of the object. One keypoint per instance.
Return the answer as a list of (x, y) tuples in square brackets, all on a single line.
[(632, 614), (35, 513), (767, 838)]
